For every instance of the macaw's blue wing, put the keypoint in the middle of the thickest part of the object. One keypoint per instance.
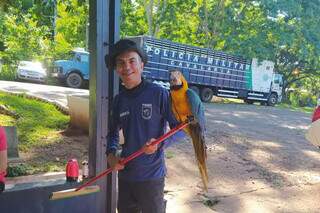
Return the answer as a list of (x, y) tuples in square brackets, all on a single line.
[(197, 108)]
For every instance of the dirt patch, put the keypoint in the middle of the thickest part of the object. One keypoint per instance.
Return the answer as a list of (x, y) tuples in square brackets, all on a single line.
[(73, 143), (238, 180), (258, 161)]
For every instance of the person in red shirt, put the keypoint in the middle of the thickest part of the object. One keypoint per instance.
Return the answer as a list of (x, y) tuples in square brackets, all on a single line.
[(316, 114), (3, 158)]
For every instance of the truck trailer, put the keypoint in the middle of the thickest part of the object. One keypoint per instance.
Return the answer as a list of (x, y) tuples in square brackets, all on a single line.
[(211, 72)]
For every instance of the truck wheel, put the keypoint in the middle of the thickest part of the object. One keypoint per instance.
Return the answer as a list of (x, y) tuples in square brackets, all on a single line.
[(247, 101), (263, 103), (272, 100), (196, 89), (206, 94), (74, 80)]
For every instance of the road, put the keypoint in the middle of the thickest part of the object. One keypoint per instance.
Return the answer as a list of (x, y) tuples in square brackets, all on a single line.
[(259, 122), (258, 161), (53, 94)]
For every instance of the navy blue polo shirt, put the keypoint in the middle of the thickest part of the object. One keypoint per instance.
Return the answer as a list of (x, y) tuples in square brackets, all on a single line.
[(142, 113)]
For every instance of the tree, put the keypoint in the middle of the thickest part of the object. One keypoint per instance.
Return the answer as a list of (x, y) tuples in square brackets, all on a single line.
[(23, 39), (71, 26), (132, 19), (298, 49), (285, 32), (176, 20)]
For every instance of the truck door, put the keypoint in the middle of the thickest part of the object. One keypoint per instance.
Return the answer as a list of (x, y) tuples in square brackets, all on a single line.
[(85, 65), (277, 84), (262, 73)]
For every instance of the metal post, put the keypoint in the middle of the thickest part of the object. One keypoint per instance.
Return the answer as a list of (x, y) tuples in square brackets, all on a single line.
[(104, 20), (114, 34)]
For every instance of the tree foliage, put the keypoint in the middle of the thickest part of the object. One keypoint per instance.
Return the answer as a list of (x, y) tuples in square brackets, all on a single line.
[(71, 26), (24, 40), (283, 31), (298, 48), (29, 29)]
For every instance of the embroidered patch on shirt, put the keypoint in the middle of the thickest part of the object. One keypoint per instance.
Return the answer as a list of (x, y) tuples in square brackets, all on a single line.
[(124, 114), (146, 111)]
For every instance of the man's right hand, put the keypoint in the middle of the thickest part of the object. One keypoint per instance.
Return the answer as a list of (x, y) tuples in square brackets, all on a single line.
[(114, 163)]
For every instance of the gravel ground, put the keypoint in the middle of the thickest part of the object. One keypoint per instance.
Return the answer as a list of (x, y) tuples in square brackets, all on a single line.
[(258, 161)]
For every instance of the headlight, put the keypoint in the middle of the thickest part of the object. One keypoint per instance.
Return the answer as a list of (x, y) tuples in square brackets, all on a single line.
[(22, 72), (57, 69)]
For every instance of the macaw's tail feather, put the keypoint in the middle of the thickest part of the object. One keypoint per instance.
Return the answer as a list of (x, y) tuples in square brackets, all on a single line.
[(200, 150)]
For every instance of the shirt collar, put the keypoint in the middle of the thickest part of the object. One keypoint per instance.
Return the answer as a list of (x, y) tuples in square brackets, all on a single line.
[(136, 90)]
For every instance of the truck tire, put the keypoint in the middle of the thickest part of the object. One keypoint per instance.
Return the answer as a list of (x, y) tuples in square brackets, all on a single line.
[(206, 94), (272, 100), (74, 80), (196, 89), (263, 103), (247, 101)]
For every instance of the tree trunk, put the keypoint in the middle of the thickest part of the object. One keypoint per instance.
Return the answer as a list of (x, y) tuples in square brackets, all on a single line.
[(149, 12), (205, 23)]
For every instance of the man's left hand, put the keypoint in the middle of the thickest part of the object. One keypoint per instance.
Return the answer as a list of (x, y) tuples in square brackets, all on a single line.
[(150, 149)]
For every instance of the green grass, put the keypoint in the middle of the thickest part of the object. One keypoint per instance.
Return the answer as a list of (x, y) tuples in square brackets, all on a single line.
[(220, 100), (38, 122), (300, 109), (6, 120), (23, 169)]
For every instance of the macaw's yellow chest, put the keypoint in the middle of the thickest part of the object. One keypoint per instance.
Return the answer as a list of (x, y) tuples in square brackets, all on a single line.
[(180, 105)]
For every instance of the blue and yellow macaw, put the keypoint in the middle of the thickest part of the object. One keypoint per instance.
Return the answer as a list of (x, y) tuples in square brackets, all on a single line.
[(186, 103)]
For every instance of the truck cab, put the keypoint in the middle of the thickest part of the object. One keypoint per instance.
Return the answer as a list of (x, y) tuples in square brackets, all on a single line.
[(74, 70), (277, 85), (266, 83)]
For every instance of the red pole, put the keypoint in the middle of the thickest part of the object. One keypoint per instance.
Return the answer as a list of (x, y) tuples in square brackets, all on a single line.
[(137, 153)]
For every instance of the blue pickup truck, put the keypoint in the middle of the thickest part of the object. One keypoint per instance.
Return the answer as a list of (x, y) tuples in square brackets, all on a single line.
[(74, 71)]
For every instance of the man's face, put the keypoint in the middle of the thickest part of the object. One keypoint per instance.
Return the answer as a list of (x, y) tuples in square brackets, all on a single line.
[(129, 67)]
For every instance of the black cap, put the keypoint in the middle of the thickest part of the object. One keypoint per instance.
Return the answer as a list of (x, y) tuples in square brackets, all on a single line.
[(120, 47)]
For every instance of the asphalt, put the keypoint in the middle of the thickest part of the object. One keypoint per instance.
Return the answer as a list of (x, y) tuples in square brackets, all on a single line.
[(53, 94)]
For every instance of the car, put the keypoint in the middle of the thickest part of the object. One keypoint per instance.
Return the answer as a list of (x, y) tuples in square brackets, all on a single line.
[(31, 71)]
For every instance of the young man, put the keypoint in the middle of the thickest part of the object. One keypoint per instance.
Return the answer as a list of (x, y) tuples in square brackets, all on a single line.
[(142, 111)]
